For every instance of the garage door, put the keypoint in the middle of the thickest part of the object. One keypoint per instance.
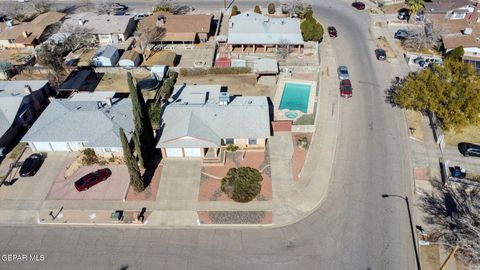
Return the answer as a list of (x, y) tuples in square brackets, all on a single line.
[(174, 152), (41, 146), (59, 146), (192, 152)]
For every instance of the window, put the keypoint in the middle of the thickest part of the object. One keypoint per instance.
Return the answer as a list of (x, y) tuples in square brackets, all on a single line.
[(458, 16), (252, 141), (229, 141)]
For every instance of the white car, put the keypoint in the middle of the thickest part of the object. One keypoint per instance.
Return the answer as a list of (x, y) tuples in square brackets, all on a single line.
[(140, 16)]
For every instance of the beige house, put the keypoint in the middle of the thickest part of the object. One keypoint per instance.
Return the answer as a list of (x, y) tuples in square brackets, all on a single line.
[(28, 35), (181, 28), (105, 28), (201, 121)]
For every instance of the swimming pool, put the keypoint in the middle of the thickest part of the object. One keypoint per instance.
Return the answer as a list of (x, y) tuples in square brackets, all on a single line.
[(295, 97)]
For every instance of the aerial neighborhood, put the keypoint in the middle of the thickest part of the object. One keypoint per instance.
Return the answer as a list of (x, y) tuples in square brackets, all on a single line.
[(201, 115)]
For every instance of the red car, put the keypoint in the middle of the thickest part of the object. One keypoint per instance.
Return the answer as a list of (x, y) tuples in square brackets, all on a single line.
[(92, 179), (345, 88), (358, 5), (332, 32)]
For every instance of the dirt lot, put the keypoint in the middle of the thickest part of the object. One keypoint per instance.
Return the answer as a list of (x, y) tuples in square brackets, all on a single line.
[(117, 81), (243, 84), (391, 9), (469, 134)]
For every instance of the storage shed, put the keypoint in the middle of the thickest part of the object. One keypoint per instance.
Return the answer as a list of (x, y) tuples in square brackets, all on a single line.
[(130, 58), (106, 56)]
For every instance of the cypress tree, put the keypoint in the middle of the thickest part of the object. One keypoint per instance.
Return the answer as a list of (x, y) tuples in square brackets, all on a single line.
[(144, 144), (136, 180)]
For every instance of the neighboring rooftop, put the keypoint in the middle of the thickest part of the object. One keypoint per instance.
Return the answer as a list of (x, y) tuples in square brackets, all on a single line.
[(254, 28), (443, 6), (87, 118), (202, 115), (458, 32), (26, 33), (11, 97), (181, 27), (98, 24)]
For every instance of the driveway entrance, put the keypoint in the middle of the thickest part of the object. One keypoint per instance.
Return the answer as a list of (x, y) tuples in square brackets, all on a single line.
[(180, 180)]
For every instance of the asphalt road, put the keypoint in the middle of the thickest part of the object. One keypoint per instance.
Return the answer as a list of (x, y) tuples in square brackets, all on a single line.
[(353, 229)]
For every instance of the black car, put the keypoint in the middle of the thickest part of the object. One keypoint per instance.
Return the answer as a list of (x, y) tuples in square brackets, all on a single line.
[(404, 14), (31, 165), (381, 54), (332, 31), (401, 34), (358, 5), (469, 149)]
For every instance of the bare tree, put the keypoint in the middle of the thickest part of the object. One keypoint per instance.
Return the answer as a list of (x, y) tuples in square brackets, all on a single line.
[(454, 211), (50, 55), (146, 34), (42, 6), (297, 7), (103, 6), (418, 39), (13, 10), (283, 49), (79, 36)]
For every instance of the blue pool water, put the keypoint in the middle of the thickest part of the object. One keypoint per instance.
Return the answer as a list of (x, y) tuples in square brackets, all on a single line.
[(295, 97)]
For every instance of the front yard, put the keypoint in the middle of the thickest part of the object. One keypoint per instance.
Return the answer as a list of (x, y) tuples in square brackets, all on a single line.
[(469, 134)]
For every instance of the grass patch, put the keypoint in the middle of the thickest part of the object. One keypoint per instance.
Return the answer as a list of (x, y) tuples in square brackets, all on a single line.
[(306, 119), (414, 121), (469, 134), (17, 151)]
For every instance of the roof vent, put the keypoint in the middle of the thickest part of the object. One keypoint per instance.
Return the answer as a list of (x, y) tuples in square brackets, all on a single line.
[(467, 31), (223, 98), (99, 105)]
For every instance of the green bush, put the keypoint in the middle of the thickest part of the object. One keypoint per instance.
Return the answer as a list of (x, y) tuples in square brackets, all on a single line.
[(89, 157), (271, 8), (168, 84), (154, 112), (302, 142), (232, 148), (455, 54), (311, 29), (242, 184), (257, 10)]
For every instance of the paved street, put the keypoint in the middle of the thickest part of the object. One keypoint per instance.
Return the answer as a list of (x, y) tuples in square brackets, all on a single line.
[(354, 228)]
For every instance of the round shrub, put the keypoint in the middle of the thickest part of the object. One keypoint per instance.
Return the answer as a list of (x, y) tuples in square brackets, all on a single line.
[(242, 184)]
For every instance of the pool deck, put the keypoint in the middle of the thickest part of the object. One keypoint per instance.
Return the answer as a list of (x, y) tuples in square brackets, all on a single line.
[(280, 114)]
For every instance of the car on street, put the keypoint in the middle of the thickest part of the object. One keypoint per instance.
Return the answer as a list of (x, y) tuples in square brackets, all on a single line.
[(380, 54), (118, 7), (92, 179), (343, 73), (345, 88), (401, 34), (332, 31), (469, 149), (31, 165), (140, 16), (403, 14), (358, 5)]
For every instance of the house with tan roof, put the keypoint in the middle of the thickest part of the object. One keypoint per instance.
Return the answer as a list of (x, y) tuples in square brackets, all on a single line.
[(460, 27), (181, 29), (104, 28), (29, 34)]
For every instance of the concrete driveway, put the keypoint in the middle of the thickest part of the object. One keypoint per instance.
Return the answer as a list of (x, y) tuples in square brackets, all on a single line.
[(180, 180), (35, 188), (114, 188)]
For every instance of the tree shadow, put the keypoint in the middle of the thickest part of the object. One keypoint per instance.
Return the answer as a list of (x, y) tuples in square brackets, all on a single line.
[(151, 168)]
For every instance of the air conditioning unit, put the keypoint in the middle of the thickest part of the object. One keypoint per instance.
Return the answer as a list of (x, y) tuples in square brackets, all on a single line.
[(467, 31)]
